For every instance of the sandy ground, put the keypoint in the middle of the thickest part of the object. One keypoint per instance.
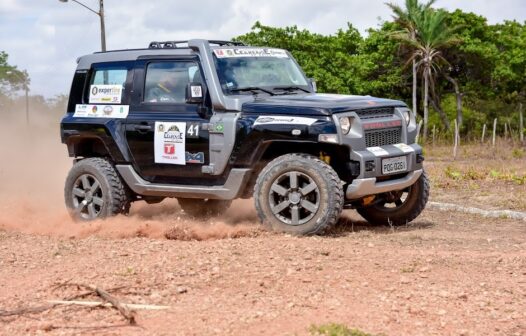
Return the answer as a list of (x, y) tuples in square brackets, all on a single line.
[(444, 274)]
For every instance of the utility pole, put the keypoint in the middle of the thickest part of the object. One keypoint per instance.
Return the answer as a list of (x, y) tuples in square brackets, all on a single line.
[(102, 26), (100, 13)]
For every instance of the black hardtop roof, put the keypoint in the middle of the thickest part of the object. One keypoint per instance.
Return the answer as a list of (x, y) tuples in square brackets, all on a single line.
[(167, 48)]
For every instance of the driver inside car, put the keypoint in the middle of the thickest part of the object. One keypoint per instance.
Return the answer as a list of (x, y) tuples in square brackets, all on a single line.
[(167, 90)]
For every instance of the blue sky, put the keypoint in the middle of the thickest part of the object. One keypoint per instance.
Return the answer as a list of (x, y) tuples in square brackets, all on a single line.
[(45, 37)]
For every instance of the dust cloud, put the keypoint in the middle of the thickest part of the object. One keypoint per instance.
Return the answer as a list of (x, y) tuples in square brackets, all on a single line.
[(33, 168)]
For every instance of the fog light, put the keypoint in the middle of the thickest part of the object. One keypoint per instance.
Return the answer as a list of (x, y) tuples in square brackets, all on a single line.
[(330, 138), (370, 166)]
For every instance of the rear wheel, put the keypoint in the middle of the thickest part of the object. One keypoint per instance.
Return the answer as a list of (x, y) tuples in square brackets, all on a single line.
[(94, 190), (398, 207), (298, 194), (204, 208)]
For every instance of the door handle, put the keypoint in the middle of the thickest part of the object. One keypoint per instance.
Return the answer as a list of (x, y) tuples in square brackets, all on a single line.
[(143, 128)]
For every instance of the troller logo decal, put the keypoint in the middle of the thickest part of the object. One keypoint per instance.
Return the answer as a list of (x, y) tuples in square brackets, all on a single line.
[(382, 124), (169, 149)]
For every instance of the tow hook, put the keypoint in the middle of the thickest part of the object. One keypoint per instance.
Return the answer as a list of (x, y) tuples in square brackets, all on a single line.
[(368, 200)]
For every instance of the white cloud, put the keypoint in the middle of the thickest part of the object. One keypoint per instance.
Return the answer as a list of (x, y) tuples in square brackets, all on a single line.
[(46, 36)]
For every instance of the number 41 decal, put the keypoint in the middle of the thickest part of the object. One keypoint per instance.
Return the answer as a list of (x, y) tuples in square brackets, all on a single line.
[(193, 130)]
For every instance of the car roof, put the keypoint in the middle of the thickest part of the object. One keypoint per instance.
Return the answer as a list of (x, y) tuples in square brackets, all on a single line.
[(85, 62)]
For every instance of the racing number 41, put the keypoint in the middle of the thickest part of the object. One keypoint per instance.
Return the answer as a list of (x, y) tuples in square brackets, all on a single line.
[(192, 131)]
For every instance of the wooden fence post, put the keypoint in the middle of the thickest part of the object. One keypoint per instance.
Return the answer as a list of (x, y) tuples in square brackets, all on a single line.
[(434, 132), (483, 133), (494, 131), (521, 124), (456, 141)]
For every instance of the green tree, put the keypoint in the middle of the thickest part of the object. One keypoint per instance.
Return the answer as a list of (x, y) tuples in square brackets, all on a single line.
[(11, 79), (380, 65), (408, 17), (433, 34)]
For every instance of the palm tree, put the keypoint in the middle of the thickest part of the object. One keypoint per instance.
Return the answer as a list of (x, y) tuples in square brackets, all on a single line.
[(408, 17), (432, 35)]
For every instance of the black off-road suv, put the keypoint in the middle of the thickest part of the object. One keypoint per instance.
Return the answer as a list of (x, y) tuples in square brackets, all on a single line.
[(207, 122)]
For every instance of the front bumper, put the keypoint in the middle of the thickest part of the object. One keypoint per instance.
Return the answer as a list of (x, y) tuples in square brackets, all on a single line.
[(371, 181), (370, 186)]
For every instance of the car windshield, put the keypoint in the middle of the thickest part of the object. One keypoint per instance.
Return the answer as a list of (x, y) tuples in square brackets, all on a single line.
[(256, 70)]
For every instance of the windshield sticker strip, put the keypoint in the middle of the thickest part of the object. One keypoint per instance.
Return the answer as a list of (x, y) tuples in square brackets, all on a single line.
[(268, 120), (250, 52), (101, 111)]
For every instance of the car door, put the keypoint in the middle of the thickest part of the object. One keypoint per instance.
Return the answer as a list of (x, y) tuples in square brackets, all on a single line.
[(165, 134)]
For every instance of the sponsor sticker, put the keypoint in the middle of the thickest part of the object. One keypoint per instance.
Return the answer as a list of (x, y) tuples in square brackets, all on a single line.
[(169, 142), (378, 151), (281, 120), (101, 111), (105, 94), (195, 157), (404, 148), (196, 91), (250, 52)]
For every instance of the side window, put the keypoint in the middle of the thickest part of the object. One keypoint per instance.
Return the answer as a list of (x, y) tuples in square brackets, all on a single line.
[(107, 86), (166, 82)]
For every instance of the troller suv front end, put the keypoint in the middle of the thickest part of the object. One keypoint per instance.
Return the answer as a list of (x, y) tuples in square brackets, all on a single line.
[(389, 184)]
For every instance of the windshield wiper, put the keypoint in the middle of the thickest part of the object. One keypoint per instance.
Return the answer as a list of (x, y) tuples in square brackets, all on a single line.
[(253, 89), (291, 88)]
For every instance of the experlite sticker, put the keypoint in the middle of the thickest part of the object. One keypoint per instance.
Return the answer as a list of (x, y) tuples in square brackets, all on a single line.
[(105, 94)]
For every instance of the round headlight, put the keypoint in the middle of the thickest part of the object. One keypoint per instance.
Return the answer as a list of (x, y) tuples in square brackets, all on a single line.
[(345, 124), (407, 116)]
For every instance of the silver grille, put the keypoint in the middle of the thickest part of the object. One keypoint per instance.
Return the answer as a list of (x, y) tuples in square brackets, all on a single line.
[(373, 113), (381, 137)]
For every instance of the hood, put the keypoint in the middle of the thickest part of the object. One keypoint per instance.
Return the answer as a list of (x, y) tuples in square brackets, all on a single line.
[(316, 104)]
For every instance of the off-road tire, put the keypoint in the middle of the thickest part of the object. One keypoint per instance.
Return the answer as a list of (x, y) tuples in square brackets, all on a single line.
[(328, 194), (414, 204), (203, 208), (112, 190)]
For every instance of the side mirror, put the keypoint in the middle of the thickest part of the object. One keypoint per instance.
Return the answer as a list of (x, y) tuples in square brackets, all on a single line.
[(312, 83), (194, 93)]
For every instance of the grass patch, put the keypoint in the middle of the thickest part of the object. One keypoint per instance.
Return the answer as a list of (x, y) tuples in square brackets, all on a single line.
[(477, 174), (518, 153), (335, 329)]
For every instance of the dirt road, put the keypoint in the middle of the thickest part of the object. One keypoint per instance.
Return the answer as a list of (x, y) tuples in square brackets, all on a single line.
[(445, 274)]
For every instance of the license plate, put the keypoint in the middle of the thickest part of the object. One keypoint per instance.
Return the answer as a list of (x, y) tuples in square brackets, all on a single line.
[(394, 165)]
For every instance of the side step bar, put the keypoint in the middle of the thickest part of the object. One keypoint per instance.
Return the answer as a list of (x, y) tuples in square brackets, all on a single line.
[(230, 190)]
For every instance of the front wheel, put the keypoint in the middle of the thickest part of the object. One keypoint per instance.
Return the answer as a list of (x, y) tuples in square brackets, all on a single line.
[(398, 207), (298, 194)]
